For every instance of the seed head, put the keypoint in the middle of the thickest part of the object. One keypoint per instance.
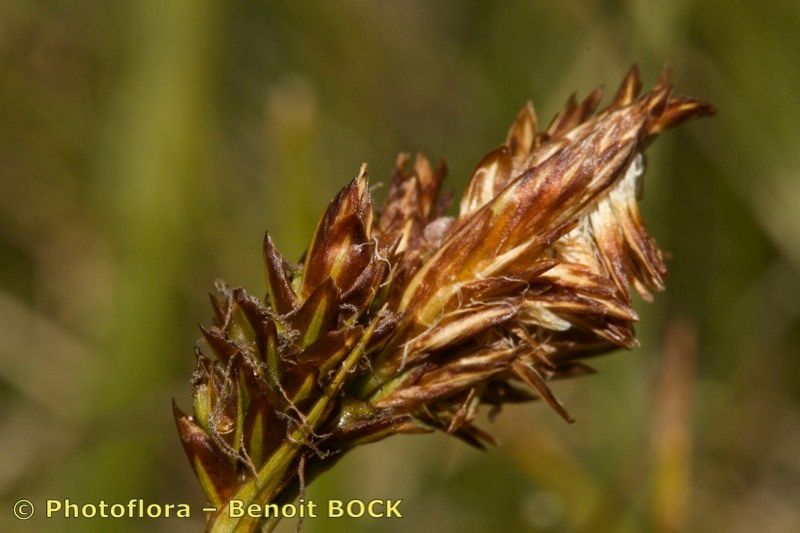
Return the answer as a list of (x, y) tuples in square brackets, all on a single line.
[(404, 319)]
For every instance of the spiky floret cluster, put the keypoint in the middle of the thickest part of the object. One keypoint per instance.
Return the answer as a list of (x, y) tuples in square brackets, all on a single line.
[(406, 320)]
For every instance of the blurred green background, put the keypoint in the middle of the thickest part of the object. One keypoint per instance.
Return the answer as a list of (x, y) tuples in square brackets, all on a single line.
[(145, 147)]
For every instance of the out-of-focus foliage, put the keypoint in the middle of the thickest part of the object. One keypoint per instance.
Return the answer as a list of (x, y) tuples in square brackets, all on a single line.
[(145, 146)]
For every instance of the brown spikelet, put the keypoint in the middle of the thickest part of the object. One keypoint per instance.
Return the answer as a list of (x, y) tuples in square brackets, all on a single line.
[(405, 320)]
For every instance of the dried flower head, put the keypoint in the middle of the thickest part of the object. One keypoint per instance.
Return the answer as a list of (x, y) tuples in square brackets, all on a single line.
[(405, 319)]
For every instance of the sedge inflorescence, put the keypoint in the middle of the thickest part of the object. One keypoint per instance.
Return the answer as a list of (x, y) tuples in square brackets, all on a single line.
[(403, 319)]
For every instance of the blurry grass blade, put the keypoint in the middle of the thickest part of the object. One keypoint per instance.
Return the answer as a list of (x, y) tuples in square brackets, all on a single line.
[(671, 433)]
